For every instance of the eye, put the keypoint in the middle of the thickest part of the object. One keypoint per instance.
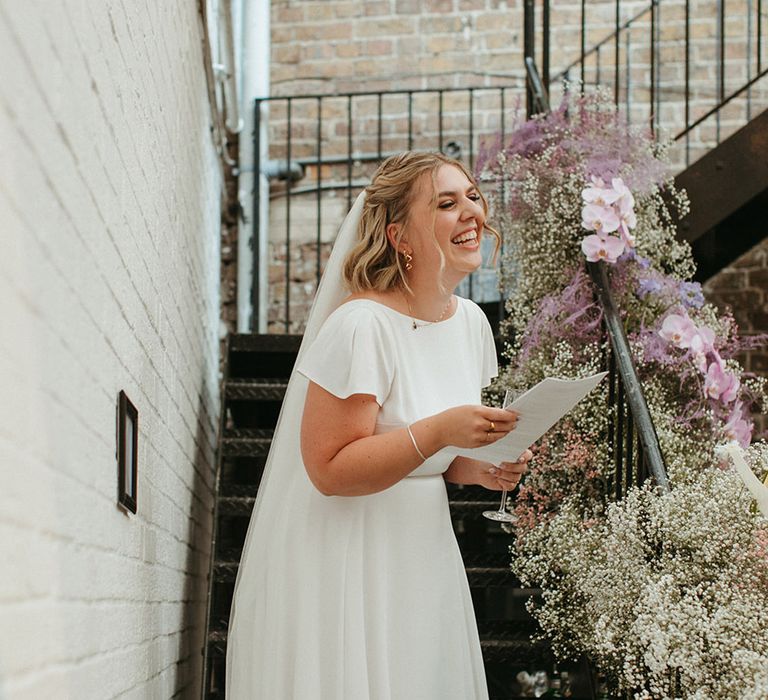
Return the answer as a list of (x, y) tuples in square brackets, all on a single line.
[(446, 205), (474, 196)]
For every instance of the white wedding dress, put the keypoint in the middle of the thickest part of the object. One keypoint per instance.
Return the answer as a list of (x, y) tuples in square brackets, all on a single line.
[(365, 597)]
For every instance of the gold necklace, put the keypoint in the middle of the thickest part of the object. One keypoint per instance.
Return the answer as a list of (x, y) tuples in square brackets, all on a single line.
[(426, 323)]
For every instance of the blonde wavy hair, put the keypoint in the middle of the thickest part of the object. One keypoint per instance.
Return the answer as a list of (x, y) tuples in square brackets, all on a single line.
[(373, 263)]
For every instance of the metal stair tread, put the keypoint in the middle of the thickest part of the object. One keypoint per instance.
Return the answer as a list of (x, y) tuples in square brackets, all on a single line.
[(239, 506), (269, 342), (247, 388), (246, 442)]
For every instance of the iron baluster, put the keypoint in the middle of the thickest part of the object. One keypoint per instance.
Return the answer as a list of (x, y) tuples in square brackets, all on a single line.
[(319, 148), (440, 122), (255, 239), (583, 47), (410, 120), (349, 152), (288, 185), (379, 125), (687, 81), (616, 58)]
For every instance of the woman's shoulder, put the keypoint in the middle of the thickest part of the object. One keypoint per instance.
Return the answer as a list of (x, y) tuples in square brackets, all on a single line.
[(372, 299), (356, 310)]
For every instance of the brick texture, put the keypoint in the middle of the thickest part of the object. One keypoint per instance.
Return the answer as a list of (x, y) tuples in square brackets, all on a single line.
[(109, 280), (339, 46), (743, 287)]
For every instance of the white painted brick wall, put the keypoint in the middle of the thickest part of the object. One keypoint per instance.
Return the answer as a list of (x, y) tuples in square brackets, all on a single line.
[(109, 280)]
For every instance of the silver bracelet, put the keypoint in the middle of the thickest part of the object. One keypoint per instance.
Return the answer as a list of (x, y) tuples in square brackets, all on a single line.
[(413, 440)]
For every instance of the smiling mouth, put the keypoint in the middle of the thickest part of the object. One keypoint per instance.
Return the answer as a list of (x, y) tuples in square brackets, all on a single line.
[(468, 239)]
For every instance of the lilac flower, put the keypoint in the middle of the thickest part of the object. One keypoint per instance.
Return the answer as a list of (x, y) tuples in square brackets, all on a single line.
[(644, 263), (691, 294), (601, 220), (737, 427), (647, 286), (597, 248)]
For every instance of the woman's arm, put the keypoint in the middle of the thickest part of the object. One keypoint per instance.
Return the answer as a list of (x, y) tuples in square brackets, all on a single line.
[(464, 470), (344, 458)]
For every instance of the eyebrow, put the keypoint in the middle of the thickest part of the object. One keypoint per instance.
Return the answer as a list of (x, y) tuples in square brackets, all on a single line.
[(453, 192)]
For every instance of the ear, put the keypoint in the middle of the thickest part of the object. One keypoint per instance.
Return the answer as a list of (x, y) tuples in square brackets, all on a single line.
[(393, 231)]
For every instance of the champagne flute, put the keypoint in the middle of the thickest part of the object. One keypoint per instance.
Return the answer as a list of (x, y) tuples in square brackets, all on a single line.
[(502, 515)]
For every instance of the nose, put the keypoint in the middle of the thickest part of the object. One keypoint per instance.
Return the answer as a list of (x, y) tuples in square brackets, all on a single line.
[(473, 210)]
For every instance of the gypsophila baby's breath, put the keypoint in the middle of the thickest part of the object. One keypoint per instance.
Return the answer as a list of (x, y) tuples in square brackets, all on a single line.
[(667, 592)]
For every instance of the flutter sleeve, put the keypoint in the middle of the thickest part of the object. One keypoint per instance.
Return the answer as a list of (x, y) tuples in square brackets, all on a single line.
[(490, 365), (351, 354)]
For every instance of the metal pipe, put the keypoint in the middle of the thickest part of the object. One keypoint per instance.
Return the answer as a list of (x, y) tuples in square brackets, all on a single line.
[(233, 122)]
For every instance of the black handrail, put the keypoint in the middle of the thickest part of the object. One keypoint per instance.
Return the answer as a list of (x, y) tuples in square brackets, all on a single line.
[(631, 388), (628, 389)]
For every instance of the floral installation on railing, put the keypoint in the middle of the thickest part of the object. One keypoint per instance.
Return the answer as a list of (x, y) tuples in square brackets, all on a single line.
[(666, 592)]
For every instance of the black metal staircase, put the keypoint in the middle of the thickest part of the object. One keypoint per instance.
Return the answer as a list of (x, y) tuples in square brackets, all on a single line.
[(256, 376)]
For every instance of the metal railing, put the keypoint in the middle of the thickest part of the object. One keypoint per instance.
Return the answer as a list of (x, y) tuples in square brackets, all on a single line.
[(323, 151), (676, 66), (632, 436)]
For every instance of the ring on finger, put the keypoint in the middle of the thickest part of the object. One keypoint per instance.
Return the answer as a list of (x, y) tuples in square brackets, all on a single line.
[(492, 428)]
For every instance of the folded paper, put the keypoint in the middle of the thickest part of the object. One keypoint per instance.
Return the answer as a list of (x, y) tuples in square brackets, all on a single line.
[(539, 408)]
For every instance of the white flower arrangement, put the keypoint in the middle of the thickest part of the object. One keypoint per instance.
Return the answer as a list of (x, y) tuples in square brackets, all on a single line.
[(666, 592)]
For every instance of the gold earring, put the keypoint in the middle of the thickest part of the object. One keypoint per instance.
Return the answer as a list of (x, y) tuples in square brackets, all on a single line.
[(408, 259)]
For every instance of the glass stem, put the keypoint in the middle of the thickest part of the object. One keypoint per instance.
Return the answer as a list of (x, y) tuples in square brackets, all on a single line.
[(503, 504)]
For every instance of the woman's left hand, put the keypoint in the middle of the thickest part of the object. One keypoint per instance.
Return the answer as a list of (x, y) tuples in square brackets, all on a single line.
[(507, 475)]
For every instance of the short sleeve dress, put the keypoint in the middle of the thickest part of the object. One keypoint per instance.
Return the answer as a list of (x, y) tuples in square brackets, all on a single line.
[(371, 599)]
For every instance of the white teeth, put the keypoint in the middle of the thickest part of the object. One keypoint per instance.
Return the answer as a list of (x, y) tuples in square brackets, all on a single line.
[(465, 237)]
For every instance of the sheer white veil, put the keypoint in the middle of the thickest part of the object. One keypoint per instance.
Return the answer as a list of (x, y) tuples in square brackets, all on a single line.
[(283, 482), (330, 293)]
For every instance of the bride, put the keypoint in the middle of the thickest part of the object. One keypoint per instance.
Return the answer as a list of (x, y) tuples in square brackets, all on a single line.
[(351, 585)]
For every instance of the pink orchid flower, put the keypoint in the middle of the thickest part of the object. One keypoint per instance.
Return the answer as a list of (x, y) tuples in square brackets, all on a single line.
[(737, 427), (599, 194), (721, 384), (703, 341), (624, 201), (601, 220), (626, 236), (598, 248), (678, 329)]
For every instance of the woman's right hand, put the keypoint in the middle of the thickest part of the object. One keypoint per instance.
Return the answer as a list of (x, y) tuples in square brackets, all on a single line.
[(475, 426)]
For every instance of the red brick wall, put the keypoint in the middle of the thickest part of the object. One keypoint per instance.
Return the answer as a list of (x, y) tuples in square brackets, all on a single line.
[(743, 286)]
